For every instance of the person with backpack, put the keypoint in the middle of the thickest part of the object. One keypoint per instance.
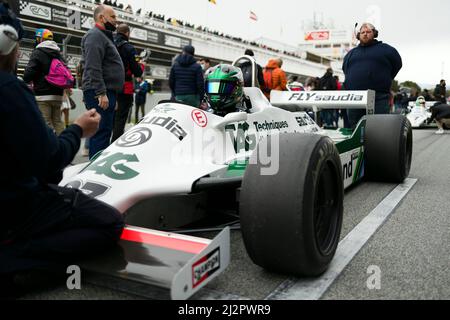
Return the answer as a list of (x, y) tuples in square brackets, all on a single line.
[(246, 68), (49, 76), (274, 77), (132, 68)]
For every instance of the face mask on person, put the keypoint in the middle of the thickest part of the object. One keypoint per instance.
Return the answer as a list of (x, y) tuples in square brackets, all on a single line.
[(110, 27)]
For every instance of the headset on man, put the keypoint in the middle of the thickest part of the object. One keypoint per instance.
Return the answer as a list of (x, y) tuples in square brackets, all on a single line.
[(371, 26)]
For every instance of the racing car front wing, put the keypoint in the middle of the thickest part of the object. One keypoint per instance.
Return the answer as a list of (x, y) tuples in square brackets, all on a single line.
[(160, 265)]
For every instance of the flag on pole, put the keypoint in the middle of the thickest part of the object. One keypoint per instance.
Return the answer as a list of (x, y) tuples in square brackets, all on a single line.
[(212, 1), (253, 16)]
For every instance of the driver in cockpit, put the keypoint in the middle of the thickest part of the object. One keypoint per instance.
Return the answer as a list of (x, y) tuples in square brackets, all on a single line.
[(224, 90)]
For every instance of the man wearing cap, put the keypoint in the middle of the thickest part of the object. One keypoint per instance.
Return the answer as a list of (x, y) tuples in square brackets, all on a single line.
[(186, 78), (43, 226)]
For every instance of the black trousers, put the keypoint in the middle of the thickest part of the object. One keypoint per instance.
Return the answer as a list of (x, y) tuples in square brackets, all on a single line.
[(124, 104), (140, 107), (63, 227)]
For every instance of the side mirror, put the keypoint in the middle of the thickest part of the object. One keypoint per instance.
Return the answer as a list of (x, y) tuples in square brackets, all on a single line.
[(231, 118)]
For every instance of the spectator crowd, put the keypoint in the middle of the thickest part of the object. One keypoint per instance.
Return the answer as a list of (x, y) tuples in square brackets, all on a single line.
[(149, 16)]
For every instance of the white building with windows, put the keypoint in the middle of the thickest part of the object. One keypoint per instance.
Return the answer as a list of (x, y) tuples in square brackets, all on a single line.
[(329, 43)]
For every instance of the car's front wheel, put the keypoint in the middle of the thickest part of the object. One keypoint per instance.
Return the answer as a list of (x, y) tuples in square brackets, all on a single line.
[(291, 220)]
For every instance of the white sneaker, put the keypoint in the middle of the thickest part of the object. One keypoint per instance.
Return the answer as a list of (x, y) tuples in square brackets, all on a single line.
[(440, 131), (85, 152)]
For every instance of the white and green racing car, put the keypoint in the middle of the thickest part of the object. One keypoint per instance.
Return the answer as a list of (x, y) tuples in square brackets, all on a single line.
[(272, 168)]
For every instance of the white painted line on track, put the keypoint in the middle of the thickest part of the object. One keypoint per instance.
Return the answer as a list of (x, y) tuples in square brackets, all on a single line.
[(313, 289)]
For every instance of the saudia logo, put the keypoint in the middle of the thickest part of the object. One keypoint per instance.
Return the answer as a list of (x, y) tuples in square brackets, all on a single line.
[(240, 138), (167, 123), (307, 97), (205, 267)]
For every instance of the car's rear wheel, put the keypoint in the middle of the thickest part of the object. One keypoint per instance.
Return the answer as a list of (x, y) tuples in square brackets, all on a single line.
[(291, 220), (388, 148)]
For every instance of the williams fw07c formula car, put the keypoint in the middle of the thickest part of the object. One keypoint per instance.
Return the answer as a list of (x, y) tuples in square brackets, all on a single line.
[(272, 168)]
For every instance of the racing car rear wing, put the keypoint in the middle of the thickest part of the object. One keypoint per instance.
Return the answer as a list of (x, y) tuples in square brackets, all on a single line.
[(160, 265), (316, 100)]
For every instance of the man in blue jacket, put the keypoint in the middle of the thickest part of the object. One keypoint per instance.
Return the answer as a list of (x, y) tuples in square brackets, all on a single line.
[(186, 78), (371, 65), (43, 226)]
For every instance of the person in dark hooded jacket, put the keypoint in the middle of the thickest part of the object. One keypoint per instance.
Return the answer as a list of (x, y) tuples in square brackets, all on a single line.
[(186, 78), (328, 83), (48, 96), (132, 68), (440, 92)]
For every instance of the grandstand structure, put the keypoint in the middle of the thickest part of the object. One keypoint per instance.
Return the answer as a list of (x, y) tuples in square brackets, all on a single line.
[(69, 20)]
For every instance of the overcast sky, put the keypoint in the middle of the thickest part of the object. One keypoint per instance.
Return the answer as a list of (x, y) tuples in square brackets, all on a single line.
[(419, 30)]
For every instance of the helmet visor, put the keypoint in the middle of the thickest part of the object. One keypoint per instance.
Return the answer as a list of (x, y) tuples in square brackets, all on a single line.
[(220, 87)]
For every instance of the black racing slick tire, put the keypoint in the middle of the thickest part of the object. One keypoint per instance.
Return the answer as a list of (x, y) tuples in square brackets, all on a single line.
[(388, 148), (291, 221)]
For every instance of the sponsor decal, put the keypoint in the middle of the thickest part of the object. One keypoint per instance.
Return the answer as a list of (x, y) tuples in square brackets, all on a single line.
[(134, 138), (167, 123), (304, 121), (309, 97), (114, 166), (92, 189), (347, 169), (164, 108), (268, 126), (205, 267), (199, 118), (240, 138)]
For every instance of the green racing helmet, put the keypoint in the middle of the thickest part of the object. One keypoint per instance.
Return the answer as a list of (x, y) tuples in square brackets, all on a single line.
[(224, 87), (420, 101)]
